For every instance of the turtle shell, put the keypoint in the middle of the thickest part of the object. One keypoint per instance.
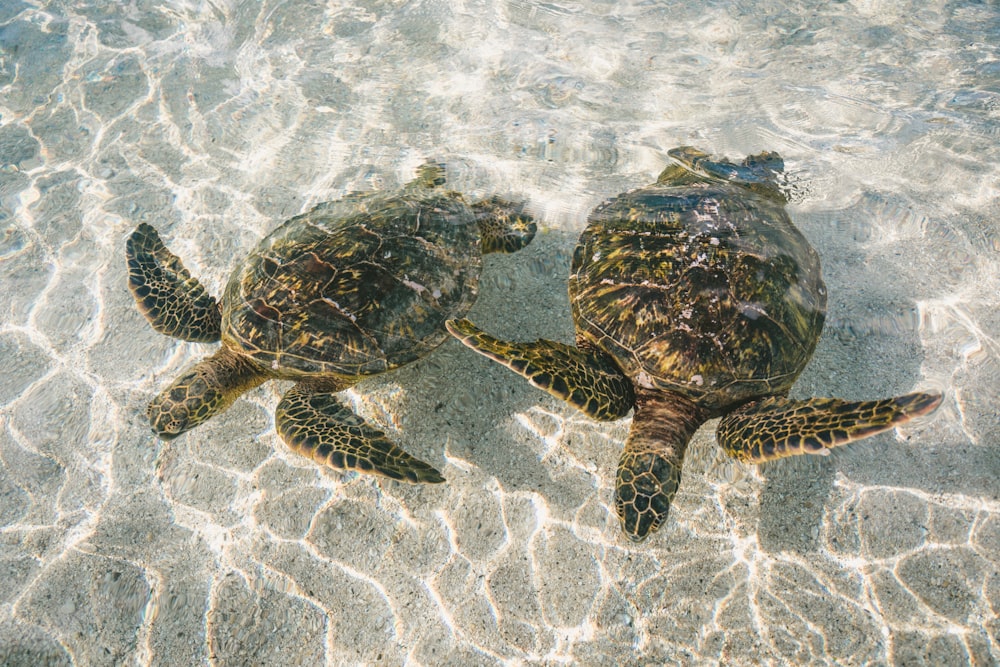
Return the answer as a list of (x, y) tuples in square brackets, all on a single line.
[(356, 286), (704, 288)]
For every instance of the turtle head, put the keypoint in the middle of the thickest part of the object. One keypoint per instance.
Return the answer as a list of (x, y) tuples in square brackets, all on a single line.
[(758, 173), (649, 471), (204, 390), (179, 408), (644, 488), (503, 225)]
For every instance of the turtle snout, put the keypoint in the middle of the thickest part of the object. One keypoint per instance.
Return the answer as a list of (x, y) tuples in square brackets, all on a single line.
[(644, 489), (167, 420), (164, 435), (175, 411), (639, 518)]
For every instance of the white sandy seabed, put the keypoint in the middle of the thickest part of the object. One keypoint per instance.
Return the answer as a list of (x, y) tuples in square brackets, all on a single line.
[(215, 120)]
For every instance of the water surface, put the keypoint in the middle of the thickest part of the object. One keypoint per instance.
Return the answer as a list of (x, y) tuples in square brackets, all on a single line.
[(216, 120)]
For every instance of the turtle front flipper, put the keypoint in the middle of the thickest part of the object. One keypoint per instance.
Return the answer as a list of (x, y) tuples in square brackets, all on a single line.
[(313, 423), (174, 302), (204, 390), (588, 380), (776, 427)]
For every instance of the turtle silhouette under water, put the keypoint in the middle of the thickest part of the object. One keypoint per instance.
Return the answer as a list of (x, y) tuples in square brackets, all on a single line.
[(693, 298), (350, 289)]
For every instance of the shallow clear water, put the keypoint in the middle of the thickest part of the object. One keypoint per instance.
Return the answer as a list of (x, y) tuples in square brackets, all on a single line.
[(216, 120)]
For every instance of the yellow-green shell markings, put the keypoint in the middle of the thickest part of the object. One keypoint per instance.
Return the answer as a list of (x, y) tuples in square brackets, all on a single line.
[(695, 297), (707, 290), (352, 288)]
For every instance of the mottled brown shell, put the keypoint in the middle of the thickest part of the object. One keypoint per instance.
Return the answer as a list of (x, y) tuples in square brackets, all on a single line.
[(356, 286), (701, 287)]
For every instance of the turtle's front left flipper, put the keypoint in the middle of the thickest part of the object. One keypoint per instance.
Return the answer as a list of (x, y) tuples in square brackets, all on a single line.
[(777, 427), (173, 301), (312, 422), (588, 380)]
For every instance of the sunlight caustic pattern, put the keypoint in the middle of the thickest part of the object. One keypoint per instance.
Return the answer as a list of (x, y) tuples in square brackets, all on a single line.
[(217, 120)]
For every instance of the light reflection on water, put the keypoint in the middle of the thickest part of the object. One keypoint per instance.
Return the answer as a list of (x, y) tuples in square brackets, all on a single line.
[(214, 121)]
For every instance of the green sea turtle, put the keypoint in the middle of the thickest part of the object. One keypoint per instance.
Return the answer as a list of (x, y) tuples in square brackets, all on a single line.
[(353, 288), (694, 298)]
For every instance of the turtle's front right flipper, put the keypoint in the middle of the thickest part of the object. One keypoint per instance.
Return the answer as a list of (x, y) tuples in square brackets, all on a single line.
[(174, 302), (588, 380), (776, 427), (313, 423)]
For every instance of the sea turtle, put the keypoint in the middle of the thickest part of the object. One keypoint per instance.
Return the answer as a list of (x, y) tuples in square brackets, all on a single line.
[(352, 288), (693, 298)]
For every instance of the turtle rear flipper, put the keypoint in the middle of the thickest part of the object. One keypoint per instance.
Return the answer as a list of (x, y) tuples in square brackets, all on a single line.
[(504, 225), (588, 380), (174, 302), (775, 427), (313, 423)]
